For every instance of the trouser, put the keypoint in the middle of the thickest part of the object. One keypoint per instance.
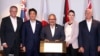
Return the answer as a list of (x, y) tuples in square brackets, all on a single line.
[(71, 51)]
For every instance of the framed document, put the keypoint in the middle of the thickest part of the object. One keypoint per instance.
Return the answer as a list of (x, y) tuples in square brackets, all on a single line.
[(52, 47)]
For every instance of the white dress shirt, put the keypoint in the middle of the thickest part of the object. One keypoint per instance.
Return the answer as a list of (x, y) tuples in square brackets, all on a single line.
[(52, 30), (89, 24), (33, 25), (14, 23), (68, 32)]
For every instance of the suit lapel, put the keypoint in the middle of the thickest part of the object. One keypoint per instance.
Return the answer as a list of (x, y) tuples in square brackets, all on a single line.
[(56, 27), (36, 26), (73, 29), (30, 26), (92, 25), (86, 26), (11, 24), (49, 31), (18, 23)]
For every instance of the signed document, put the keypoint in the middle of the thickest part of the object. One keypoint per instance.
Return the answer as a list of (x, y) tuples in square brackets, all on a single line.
[(53, 47)]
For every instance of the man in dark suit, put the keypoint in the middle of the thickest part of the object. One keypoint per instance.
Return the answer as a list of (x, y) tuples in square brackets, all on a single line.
[(89, 35), (52, 32), (10, 32), (31, 34)]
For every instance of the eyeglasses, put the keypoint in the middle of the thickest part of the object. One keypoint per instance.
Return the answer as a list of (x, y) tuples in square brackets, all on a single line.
[(52, 19)]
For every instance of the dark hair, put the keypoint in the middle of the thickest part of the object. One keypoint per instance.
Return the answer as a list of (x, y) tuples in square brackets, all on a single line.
[(13, 7), (71, 11), (32, 9)]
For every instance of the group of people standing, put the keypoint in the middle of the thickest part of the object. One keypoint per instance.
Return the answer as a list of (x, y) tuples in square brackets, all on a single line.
[(83, 37)]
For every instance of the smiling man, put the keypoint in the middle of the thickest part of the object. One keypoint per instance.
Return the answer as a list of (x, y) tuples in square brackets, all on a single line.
[(10, 32), (89, 35), (31, 34), (52, 32)]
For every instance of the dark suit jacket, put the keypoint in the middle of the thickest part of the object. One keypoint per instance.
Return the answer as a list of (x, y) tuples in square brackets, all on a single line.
[(7, 32), (30, 39), (89, 39), (59, 33)]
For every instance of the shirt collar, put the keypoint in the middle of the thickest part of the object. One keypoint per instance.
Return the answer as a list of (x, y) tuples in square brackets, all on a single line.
[(33, 21), (90, 21), (52, 26), (12, 17)]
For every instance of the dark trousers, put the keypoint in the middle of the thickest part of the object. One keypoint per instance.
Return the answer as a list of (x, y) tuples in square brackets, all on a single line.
[(32, 51), (12, 50), (71, 51), (90, 51)]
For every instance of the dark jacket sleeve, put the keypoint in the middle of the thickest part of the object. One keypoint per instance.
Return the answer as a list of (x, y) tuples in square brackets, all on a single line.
[(99, 34), (62, 34), (3, 27), (21, 23), (80, 36), (23, 34), (42, 35)]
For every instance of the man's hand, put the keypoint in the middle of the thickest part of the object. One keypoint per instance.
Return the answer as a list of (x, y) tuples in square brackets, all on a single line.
[(67, 44), (46, 40), (24, 49), (81, 50), (56, 40), (98, 48), (5, 45), (21, 45)]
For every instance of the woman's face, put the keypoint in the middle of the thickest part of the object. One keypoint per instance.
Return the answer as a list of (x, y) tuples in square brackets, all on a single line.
[(71, 16)]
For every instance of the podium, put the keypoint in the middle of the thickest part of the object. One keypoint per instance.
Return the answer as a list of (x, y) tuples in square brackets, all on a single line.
[(1, 52), (52, 47)]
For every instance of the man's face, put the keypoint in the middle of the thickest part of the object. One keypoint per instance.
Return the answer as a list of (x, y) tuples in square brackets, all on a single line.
[(13, 12), (88, 14), (52, 20), (32, 15)]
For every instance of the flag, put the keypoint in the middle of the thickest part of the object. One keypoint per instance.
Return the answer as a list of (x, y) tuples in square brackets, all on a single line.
[(66, 9), (44, 12), (89, 4), (23, 10)]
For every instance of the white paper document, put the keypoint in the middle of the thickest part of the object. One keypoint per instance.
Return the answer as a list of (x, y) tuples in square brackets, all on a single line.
[(53, 47)]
